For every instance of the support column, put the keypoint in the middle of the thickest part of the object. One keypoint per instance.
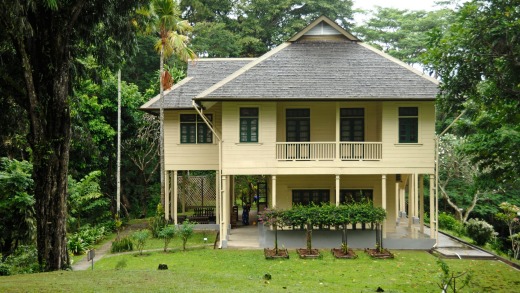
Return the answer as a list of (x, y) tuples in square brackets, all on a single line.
[(338, 178), (397, 198), (383, 200), (217, 197), (402, 194), (432, 207), (166, 196), (416, 196), (421, 202), (175, 195), (223, 224), (338, 127), (410, 200), (273, 190)]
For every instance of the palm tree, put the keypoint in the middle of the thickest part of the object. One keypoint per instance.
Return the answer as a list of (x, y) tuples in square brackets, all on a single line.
[(164, 20)]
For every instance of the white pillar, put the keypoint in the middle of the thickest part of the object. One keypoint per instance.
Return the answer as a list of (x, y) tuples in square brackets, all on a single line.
[(432, 206), (217, 197), (166, 196), (338, 128), (421, 202), (383, 200), (227, 206), (402, 200), (410, 200), (416, 195), (223, 224), (337, 189), (175, 195), (273, 190), (397, 197)]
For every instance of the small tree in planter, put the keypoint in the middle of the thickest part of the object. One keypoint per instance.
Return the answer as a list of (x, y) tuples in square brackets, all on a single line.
[(307, 216), (370, 214), (341, 216), (275, 218)]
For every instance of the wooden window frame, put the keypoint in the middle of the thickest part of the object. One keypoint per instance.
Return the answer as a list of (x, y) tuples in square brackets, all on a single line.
[(248, 117), (408, 131), (199, 132)]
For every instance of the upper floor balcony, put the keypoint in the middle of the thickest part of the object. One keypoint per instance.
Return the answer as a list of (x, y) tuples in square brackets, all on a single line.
[(329, 151)]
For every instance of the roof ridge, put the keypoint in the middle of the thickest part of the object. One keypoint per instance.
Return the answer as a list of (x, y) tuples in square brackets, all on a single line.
[(243, 70)]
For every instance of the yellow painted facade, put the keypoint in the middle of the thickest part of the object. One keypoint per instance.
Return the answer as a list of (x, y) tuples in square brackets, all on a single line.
[(260, 158)]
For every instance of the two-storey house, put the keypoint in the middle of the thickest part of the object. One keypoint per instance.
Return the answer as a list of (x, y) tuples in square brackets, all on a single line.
[(325, 117)]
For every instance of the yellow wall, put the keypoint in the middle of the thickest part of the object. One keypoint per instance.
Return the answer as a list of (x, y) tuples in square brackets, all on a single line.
[(189, 156), (285, 185), (381, 125)]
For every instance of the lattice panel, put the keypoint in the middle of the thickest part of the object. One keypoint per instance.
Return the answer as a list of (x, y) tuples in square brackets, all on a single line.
[(197, 191)]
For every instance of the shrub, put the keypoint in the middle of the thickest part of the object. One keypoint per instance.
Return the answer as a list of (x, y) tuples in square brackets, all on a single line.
[(24, 260), (167, 233), (448, 222), (123, 244), (140, 238), (480, 231), (85, 238), (158, 221), (185, 231)]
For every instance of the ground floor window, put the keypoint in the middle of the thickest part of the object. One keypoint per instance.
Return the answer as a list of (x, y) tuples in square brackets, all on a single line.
[(308, 196), (355, 195)]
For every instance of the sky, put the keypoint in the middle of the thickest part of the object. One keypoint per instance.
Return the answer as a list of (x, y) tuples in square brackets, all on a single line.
[(401, 4)]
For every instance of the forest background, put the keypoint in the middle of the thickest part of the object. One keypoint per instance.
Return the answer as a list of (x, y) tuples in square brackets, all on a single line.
[(472, 48)]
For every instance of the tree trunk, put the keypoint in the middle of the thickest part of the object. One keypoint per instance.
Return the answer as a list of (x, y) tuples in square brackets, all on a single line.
[(47, 106)]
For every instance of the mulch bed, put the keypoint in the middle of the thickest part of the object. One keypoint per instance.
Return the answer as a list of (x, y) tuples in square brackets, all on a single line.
[(338, 253), (304, 253), (271, 253), (375, 253)]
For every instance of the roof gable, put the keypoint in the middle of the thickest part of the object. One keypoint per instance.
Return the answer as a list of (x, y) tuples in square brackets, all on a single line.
[(323, 26)]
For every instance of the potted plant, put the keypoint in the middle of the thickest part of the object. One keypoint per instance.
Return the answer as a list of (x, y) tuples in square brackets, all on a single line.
[(307, 216), (274, 218), (376, 215), (341, 216)]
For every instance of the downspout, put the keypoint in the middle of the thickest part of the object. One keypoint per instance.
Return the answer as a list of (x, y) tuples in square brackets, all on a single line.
[(221, 191), (437, 138)]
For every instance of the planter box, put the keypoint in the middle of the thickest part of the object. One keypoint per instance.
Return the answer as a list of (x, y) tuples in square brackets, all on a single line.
[(338, 253), (271, 254), (374, 253), (304, 253)]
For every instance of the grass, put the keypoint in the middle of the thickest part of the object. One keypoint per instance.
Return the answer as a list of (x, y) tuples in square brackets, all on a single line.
[(208, 270)]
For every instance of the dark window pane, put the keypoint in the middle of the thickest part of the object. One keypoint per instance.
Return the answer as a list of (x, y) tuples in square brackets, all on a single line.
[(408, 111)]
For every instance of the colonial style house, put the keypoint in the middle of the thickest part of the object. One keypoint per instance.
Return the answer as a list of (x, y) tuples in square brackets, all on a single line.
[(323, 116)]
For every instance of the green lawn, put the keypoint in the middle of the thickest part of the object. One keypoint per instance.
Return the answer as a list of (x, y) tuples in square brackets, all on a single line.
[(208, 270)]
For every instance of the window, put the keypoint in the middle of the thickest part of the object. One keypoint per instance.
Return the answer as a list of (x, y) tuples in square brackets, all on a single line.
[(408, 124), (352, 127), (306, 197), (355, 195), (248, 124), (194, 130), (298, 125)]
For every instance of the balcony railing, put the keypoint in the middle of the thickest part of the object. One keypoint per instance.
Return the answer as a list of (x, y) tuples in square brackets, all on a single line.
[(327, 151)]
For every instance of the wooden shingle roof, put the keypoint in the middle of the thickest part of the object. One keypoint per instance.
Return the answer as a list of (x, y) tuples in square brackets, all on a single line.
[(202, 74), (322, 62), (326, 70)]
